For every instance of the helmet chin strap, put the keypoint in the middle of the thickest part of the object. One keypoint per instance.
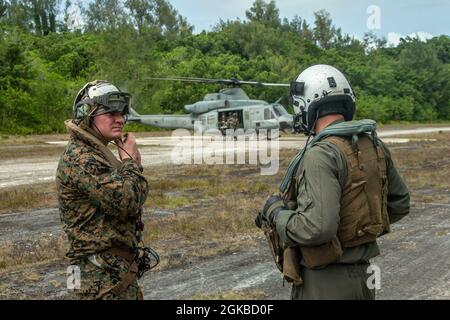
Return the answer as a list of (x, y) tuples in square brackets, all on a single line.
[(97, 130), (112, 142), (304, 126), (312, 131)]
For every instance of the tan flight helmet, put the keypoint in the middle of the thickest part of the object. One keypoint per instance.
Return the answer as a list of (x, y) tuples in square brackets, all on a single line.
[(99, 97)]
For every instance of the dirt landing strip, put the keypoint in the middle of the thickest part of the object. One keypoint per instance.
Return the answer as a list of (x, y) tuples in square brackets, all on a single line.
[(415, 264), (415, 260), (155, 151)]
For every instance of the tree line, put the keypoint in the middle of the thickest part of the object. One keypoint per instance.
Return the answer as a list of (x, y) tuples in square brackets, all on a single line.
[(50, 48)]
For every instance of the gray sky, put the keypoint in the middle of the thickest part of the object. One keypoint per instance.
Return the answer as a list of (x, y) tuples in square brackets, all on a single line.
[(396, 17)]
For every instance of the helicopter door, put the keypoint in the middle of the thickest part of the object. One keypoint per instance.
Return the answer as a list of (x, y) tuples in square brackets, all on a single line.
[(246, 122), (212, 120), (254, 117), (268, 114), (203, 120)]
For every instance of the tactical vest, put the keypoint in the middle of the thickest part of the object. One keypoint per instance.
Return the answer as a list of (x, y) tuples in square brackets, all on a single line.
[(363, 213)]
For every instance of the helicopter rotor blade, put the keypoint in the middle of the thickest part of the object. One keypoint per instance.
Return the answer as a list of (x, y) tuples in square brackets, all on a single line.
[(190, 79), (265, 84), (182, 79), (232, 81)]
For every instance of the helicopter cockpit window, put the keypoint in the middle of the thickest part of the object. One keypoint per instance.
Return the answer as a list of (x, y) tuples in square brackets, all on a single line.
[(279, 110), (268, 114)]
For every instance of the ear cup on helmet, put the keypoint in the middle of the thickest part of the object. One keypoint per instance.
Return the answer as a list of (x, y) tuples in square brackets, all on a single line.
[(84, 108)]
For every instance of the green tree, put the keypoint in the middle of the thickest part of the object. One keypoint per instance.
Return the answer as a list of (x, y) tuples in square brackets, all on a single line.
[(3, 9), (265, 13), (38, 16), (170, 22), (324, 31), (17, 14), (300, 27), (141, 13), (103, 15), (420, 68)]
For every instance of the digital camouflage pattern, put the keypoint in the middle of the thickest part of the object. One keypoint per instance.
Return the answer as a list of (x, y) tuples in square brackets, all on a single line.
[(100, 208), (97, 281), (233, 122)]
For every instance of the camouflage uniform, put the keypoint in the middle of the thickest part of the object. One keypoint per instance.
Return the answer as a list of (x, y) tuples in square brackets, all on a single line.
[(233, 122), (222, 126), (100, 207)]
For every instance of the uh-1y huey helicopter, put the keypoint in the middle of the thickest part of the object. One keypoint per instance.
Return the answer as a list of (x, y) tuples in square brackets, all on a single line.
[(230, 108)]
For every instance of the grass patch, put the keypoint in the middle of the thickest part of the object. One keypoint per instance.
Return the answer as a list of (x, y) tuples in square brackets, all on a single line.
[(428, 179), (427, 198), (232, 218), (425, 165), (220, 186), (164, 201), (23, 198), (43, 250), (41, 151), (177, 256), (12, 140), (177, 184), (206, 170)]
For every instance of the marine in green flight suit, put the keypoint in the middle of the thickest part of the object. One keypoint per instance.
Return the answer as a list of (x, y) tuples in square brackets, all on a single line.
[(343, 189)]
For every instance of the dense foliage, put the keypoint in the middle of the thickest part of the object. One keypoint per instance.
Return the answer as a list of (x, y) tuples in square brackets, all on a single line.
[(45, 58)]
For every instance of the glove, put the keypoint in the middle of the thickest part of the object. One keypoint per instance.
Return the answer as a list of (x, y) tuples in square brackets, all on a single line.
[(258, 220), (274, 204)]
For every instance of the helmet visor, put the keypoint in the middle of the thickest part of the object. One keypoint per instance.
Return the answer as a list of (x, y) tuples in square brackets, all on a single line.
[(114, 102)]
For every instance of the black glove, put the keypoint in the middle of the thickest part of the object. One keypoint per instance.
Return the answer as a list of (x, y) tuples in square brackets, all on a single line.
[(258, 220), (274, 204)]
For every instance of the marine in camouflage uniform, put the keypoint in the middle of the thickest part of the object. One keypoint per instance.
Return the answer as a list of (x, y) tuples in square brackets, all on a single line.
[(339, 194), (100, 201), (233, 122), (222, 125)]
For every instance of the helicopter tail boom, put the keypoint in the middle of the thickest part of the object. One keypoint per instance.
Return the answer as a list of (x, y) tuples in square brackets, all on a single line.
[(162, 121)]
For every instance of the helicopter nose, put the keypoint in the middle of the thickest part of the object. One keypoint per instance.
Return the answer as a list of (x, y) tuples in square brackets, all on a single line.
[(285, 125), (285, 122)]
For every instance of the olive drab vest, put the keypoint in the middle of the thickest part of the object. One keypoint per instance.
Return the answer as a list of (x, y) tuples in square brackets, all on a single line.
[(363, 213)]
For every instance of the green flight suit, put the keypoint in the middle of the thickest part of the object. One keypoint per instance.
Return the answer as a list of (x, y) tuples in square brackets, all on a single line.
[(316, 221)]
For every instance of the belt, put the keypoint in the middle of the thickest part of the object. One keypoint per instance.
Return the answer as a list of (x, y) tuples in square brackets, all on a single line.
[(127, 254), (126, 278)]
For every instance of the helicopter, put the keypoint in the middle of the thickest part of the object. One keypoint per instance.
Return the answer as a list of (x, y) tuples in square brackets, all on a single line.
[(216, 109)]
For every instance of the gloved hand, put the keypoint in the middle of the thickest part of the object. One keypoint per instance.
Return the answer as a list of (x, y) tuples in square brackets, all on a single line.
[(272, 207)]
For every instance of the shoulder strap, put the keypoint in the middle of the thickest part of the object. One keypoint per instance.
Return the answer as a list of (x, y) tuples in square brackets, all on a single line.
[(113, 161), (343, 129)]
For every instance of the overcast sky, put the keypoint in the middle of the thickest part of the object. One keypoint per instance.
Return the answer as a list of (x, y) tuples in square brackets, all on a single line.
[(396, 18)]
